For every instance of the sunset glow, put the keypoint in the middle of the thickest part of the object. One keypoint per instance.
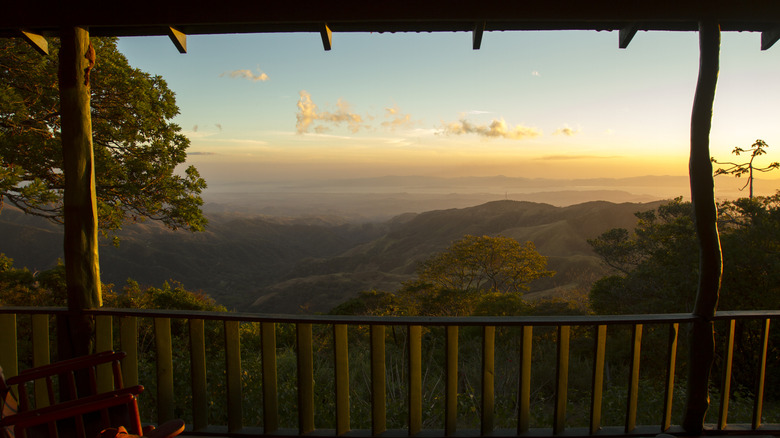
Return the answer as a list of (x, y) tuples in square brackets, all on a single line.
[(534, 105)]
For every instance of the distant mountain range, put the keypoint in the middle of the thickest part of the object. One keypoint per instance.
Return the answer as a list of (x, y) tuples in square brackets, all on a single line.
[(310, 264)]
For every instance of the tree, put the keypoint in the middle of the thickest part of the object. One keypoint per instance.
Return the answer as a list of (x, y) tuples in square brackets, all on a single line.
[(739, 169), (472, 269), (657, 265), (662, 274), (137, 148), (485, 264), (475, 275)]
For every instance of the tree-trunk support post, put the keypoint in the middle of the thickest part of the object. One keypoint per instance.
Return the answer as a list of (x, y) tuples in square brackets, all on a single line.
[(82, 273), (702, 344)]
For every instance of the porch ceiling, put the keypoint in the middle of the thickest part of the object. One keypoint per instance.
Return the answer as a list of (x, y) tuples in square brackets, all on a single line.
[(125, 18)]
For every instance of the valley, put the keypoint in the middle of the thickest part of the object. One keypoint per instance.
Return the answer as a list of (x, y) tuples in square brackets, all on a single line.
[(309, 264)]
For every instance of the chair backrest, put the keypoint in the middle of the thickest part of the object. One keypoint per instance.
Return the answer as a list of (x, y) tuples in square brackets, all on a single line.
[(66, 400), (8, 406)]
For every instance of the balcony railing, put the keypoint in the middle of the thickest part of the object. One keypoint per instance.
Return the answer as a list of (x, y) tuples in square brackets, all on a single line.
[(472, 376)]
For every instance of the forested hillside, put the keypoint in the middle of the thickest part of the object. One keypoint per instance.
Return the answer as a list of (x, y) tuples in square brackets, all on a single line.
[(312, 264)]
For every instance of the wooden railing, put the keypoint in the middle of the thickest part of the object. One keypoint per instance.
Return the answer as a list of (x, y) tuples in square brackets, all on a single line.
[(168, 344)]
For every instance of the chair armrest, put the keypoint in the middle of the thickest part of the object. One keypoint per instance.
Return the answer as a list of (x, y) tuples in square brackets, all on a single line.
[(72, 408)]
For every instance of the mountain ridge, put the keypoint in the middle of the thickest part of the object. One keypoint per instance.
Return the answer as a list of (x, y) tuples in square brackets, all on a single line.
[(290, 265)]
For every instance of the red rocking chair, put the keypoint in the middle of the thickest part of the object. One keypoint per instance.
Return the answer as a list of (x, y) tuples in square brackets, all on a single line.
[(61, 412)]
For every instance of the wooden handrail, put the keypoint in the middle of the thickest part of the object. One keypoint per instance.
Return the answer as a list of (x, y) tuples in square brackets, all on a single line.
[(567, 330)]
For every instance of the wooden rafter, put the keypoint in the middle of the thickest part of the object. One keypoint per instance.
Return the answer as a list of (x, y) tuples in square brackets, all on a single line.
[(37, 41), (327, 36), (479, 29), (769, 37), (627, 34), (179, 39)]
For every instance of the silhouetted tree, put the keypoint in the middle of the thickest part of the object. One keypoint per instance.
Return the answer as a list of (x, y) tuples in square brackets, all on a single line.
[(739, 169)]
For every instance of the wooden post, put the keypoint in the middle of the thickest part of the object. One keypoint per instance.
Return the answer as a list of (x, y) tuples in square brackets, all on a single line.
[(702, 343), (77, 57)]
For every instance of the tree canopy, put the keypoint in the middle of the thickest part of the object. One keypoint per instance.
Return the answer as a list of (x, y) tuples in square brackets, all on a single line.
[(476, 275), (20, 287), (486, 264), (137, 147), (657, 264)]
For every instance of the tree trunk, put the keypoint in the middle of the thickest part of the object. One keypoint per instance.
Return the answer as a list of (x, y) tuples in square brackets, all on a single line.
[(702, 344), (82, 272)]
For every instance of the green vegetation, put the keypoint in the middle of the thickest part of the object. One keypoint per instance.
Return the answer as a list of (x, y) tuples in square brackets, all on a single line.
[(657, 265), (20, 287), (654, 271), (137, 147), (476, 275), (657, 269)]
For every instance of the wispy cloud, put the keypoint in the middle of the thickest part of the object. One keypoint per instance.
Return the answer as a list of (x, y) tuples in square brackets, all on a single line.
[(576, 157), (310, 118), (238, 141), (201, 153), (497, 128), (567, 131), (395, 120), (246, 74), (535, 73)]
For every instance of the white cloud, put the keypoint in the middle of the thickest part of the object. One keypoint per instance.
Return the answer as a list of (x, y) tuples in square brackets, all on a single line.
[(535, 73), (246, 74), (577, 157), (308, 114), (567, 131), (497, 128)]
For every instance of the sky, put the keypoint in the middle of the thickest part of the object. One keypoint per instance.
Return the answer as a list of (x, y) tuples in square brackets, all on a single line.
[(527, 104)]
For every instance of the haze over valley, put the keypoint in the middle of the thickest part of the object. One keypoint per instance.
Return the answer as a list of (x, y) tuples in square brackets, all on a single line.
[(309, 246)]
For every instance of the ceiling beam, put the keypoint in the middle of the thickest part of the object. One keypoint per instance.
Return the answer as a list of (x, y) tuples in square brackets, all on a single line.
[(125, 18), (479, 29), (327, 36), (179, 39), (769, 38), (37, 41), (627, 34)]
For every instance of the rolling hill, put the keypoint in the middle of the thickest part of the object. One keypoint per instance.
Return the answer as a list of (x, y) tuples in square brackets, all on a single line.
[(292, 265)]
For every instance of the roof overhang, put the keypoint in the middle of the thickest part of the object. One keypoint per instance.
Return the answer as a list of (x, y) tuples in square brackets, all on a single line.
[(124, 18)]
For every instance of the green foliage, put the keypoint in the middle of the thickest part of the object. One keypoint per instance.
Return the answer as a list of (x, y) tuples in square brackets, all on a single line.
[(662, 273), (20, 287), (169, 296), (498, 304), (474, 276), (485, 264), (658, 263), (136, 146)]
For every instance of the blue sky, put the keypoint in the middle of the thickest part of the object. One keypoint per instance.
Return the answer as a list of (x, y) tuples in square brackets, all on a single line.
[(532, 104)]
